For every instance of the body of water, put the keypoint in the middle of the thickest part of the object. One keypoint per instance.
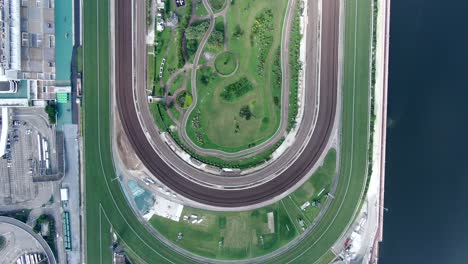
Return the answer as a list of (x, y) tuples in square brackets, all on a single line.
[(427, 148)]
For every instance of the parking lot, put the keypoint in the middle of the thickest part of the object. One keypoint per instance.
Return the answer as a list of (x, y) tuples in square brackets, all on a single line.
[(30, 157)]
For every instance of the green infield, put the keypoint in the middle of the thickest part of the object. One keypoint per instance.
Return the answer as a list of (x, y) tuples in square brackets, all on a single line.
[(247, 68), (107, 210)]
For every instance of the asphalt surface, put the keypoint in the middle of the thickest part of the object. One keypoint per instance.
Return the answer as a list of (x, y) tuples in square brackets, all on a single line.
[(180, 177)]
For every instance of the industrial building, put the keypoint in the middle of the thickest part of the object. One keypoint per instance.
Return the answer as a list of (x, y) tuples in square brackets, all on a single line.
[(28, 53)]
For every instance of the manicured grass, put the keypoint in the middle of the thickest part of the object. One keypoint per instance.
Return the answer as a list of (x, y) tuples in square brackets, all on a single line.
[(173, 56), (106, 206), (177, 83), (160, 116), (241, 164), (170, 43), (188, 87), (253, 56), (225, 63), (321, 179), (327, 258), (200, 9), (217, 5), (164, 42), (151, 70), (353, 151), (319, 183), (235, 235), (175, 113), (188, 100), (107, 209), (240, 231)]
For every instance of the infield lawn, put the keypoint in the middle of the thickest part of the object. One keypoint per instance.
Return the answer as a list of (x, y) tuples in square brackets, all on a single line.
[(254, 36)]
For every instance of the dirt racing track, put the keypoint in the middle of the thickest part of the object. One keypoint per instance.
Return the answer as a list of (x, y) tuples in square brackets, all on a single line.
[(299, 168)]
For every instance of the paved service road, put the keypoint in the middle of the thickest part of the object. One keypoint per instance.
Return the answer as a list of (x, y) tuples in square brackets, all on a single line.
[(23, 226), (264, 184)]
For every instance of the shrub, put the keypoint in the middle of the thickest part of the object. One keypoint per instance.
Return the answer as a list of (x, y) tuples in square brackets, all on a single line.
[(238, 31), (51, 110), (262, 36), (207, 74), (196, 31), (245, 112), (236, 89)]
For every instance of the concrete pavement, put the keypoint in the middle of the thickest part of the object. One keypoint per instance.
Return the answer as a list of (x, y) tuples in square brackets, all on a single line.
[(38, 238)]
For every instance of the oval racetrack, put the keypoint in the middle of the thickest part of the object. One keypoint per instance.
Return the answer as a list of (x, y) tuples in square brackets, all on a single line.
[(219, 197)]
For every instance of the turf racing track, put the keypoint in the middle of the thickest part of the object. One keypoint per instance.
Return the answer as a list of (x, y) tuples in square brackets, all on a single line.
[(107, 210), (234, 197)]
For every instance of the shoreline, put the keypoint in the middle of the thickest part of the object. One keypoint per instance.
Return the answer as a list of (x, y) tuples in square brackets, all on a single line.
[(382, 51)]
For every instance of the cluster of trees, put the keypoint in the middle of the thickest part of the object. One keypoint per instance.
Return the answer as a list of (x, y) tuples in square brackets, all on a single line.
[(207, 75), (372, 106), (50, 237), (196, 31), (296, 66), (51, 110), (238, 31), (183, 24), (277, 77), (193, 35), (236, 89), (262, 36), (245, 112), (217, 36)]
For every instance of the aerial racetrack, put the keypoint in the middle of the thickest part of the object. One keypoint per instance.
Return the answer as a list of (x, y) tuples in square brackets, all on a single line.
[(300, 165), (107, 212)]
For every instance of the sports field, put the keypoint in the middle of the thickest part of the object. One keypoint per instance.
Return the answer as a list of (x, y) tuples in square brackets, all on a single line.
[(107, 210)]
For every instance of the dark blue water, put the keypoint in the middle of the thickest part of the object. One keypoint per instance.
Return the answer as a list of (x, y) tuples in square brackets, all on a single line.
[(427, 149)]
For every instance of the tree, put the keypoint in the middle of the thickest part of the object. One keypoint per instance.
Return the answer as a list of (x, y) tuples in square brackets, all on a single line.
[(207, 75), (216, 38), (51, 110), (197, 31), (238, 32), (245, 112)]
